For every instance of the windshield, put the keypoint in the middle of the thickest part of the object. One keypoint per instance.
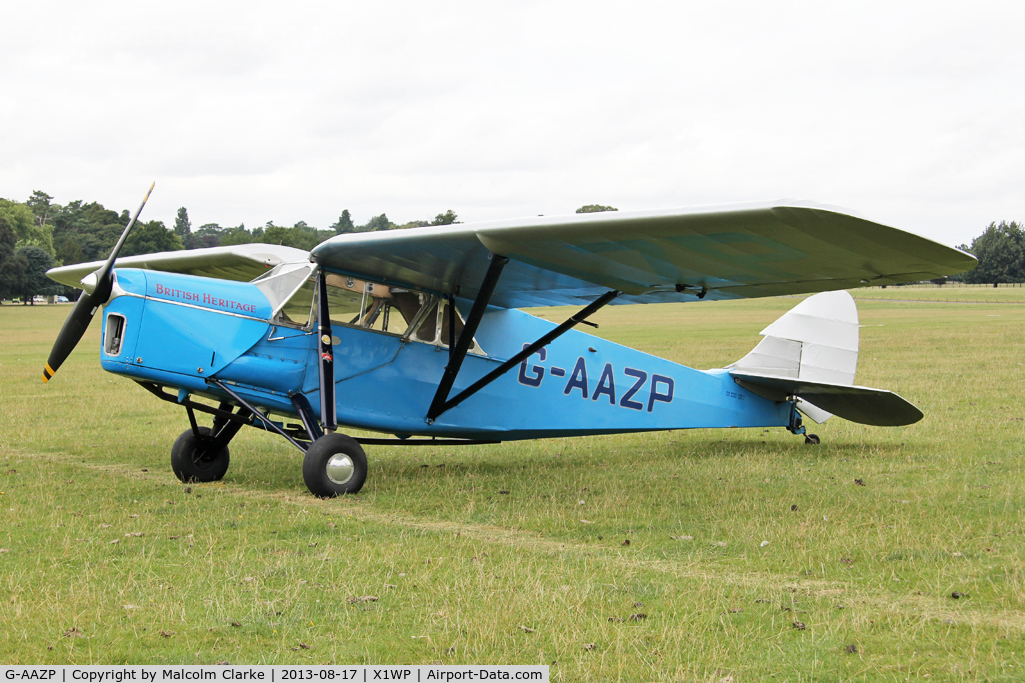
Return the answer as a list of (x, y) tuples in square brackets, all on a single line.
[(280, 284)]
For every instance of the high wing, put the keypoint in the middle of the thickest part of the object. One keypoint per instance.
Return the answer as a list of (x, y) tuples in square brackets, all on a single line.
[(238, 262), (721, 252)]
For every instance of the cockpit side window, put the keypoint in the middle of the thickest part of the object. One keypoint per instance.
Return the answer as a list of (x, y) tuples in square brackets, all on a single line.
[(355, 302), (447, 333), (371, 305), (435, 327)]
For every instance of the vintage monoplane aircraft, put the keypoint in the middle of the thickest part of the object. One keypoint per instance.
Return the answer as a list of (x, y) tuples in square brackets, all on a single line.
[(417, 333)]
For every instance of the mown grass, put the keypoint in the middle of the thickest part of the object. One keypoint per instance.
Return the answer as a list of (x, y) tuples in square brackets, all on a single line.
[(516, 553), (1013, 293)]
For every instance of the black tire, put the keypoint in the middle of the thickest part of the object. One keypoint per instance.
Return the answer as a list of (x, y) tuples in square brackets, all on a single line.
[(811, 439), (192, 463), (334, 465)]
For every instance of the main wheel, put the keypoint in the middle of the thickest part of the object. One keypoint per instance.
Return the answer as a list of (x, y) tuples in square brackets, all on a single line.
[(334, 464), (192, 461)]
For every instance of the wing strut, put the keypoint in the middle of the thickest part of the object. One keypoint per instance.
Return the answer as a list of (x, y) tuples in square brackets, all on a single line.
[(328, 408), (457, 354), (440, 404)]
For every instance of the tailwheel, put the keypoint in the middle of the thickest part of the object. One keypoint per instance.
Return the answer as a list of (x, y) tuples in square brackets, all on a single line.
[(193, 459), (811, 439), (334, 464)]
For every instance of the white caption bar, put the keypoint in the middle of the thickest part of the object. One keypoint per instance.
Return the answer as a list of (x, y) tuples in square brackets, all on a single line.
[(270, 674)]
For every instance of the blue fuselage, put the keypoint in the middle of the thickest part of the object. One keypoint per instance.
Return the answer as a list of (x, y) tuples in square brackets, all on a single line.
[(181, 330)]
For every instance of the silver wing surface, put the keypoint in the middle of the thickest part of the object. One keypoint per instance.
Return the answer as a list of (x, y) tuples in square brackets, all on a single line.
[(239, 262), (720, 252)]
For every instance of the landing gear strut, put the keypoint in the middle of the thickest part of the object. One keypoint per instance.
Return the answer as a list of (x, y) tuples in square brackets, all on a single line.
[(200, 454), (797, 427)]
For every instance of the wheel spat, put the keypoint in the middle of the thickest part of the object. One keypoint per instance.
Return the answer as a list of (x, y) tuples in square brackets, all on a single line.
[(97, 287)]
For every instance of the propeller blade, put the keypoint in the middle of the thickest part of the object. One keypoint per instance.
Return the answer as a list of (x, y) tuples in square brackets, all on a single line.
[(87, 304), (104, 281), (74, 327)]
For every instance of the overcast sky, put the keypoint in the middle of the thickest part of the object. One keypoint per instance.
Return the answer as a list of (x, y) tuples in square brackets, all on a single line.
[(911, 114)]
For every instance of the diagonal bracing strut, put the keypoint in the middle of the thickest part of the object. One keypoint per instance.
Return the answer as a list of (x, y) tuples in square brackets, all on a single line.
[(457, 354), (441, 402)]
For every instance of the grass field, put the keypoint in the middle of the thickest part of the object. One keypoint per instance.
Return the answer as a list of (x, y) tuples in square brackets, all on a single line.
[(949, 293), (517, 553)]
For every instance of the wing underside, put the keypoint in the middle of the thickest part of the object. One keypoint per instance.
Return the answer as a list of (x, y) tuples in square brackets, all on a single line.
[(241, 262)]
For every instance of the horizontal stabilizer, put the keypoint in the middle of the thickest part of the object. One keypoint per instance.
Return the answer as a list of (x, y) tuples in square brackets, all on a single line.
[(857, 404)]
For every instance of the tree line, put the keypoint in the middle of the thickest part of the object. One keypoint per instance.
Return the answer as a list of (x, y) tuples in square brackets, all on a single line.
[(38, 234), (1001, 253), (301, 235)]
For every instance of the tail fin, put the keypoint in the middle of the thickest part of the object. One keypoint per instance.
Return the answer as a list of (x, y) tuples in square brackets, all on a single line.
[(811, 354)]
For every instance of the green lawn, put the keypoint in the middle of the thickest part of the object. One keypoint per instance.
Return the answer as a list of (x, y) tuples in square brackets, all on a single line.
[(953, 292), (517, 553)]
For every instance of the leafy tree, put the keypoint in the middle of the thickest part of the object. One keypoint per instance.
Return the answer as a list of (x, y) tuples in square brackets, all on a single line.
[(300, 236), (96, 214), (69, 251), (275, 234), (7, 240), (42, 238), (1001, 253), (34, 280), (413, 224), (149, 238), (23, 221), (39, 202), (595, 208), (66, 218), (377, 223), (97, 242), (236, 235), (12, 272), (183, 227), (12, 268), (207, 235), (93, 227), (447, 218), (344, 223)]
